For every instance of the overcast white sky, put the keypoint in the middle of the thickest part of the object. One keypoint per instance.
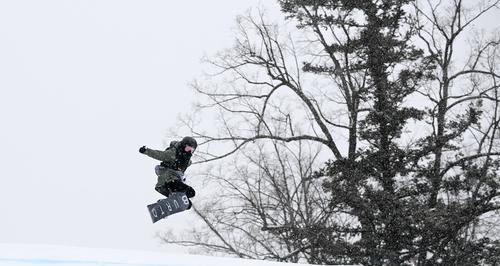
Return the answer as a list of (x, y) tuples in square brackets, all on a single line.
[(83, 84)]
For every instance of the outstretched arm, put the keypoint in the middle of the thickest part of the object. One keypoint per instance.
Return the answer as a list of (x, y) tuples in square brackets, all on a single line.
[(158, 155)]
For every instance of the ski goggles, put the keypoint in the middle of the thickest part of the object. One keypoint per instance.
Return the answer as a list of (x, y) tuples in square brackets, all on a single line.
[(189, 149)]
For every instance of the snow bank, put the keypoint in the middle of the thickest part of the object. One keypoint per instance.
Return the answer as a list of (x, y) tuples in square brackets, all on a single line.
[(46, 255)]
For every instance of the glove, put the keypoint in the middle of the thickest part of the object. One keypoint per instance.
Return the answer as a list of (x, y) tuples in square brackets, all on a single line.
[(190, 193), (142, 149)]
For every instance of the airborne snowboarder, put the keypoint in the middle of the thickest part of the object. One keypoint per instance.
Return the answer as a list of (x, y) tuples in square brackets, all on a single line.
[(174, 162)]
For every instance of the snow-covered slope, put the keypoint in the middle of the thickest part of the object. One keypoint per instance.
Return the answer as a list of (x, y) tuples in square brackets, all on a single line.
[(46, 255)]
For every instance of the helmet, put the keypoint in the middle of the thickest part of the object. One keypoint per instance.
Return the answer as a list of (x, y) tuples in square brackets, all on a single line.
[(188, 142)]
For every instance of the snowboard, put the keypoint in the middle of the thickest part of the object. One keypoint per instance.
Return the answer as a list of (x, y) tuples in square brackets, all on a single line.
[(176, 202)]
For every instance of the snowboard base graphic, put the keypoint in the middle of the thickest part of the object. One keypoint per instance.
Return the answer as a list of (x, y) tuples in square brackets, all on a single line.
[(176, 202)]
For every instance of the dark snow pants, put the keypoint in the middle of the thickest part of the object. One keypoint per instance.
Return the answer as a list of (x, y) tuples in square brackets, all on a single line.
[(171, 181)]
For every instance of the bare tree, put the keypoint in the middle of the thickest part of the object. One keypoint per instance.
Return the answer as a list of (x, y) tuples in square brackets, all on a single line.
[(463, 112), (261, 82), (263, 204)]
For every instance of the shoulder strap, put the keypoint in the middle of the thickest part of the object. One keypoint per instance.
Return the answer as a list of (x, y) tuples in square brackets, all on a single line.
[(172, 144)]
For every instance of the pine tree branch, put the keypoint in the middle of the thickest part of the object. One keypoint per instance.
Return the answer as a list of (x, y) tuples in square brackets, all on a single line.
[(466, 159)]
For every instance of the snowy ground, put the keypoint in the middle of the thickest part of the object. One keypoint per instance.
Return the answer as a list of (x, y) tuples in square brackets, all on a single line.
[(46, 255)]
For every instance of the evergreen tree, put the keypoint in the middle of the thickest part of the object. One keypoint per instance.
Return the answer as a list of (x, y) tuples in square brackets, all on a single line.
[(395, 191)]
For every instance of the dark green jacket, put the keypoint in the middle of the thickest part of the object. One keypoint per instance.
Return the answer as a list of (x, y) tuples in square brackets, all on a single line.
[(167, 157)]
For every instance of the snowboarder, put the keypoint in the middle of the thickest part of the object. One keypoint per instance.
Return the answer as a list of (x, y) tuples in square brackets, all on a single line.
[(174, 162)]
